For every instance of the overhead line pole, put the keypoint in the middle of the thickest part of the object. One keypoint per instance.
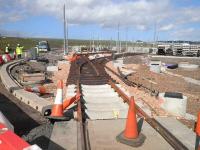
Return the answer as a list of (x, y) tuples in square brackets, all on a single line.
[(66, 50), (64, 30), (118, 43)]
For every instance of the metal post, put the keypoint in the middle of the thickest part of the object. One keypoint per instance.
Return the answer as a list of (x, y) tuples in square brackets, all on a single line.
[(126, 39), (64, 30), (90, 43), (118, 43), (93, 45)]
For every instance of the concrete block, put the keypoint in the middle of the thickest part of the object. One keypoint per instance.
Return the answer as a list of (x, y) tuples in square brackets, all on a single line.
[(180, 131), (93, 99), (95, 86), (26, 77), (111, 114), (63, 62), (52, 68)]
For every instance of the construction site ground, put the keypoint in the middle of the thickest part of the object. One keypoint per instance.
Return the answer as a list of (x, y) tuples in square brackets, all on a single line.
[(164, 82), (36, 129)]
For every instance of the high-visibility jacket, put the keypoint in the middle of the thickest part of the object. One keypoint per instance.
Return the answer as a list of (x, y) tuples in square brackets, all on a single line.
[(19, 50)]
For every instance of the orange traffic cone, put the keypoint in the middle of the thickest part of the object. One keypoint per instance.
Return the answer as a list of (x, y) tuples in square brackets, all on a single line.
[(38, 89), (198, 125), (197, 130), (130, 135), (57, 109)]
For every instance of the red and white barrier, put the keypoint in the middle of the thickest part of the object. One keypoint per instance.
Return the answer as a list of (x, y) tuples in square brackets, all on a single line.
[(7, 58), (10, 141), (1, 60)]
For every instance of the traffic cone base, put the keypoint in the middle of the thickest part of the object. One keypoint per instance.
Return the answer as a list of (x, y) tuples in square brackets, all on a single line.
[(57, 110), (134, 142), (57, 113)]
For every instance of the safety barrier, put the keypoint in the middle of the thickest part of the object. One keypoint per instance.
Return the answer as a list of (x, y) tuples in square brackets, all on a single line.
[(10, 141), (7, 58)]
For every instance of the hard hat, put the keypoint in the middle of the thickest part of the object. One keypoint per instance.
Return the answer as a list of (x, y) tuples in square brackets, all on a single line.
[(8, 44), (18, 44)]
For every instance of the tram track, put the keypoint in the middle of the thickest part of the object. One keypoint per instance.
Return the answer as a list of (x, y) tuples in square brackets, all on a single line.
[(93, 73)]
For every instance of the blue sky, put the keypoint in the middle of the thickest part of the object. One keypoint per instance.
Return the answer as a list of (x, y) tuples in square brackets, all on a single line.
[(174, 19)]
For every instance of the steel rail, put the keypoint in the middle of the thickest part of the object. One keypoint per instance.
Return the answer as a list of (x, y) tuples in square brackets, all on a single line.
[(169, 137), (92, 65), (83, 139), (130, 83)]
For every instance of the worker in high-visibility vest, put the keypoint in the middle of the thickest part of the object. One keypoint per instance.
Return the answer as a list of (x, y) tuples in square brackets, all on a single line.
[(7, 49), (19, 50)]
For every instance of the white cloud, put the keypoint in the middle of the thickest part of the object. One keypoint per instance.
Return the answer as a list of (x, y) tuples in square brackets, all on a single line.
[(138, 14), (166, 27), (186, 34)]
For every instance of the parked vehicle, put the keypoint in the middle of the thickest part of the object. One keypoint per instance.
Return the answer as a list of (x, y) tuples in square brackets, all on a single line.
[(43, 46), (169, 52)]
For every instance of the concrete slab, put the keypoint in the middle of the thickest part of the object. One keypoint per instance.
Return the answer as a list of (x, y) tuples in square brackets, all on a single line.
[(99, 90), (64, 135), (180, 131), (102, 135), (107, 94), (110, 114), (98, 100), (69, 94), (52, 68), (110, 106), (63, 62), (95, 86)]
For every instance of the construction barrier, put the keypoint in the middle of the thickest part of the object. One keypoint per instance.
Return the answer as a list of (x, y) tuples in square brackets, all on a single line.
[(10, 141), (1, 60), (7, 58)]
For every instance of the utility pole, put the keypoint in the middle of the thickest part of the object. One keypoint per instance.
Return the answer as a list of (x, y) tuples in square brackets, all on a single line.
[(93, 45), (110, 47), (90, 43), (126, 39), (118, 43), (155, 33), (65, 52)]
